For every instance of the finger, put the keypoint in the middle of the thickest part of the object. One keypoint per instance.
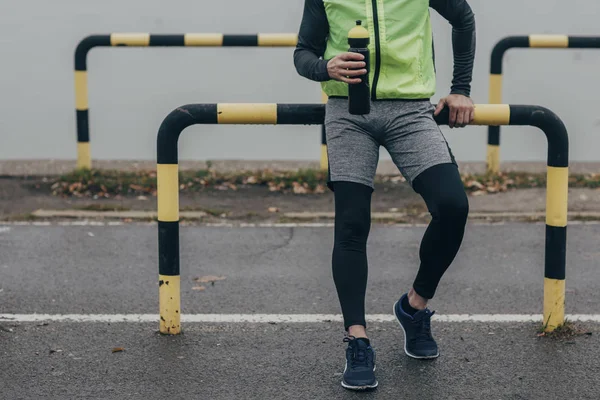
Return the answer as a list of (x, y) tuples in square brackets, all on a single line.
[(453, 115), (439, 107), (460, 118), (351, 81), (348, 56), (352, 64), (472, 115), (352, 72)]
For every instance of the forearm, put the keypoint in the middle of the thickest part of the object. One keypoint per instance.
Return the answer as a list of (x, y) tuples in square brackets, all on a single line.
[(312, 40), (461, 17), (310, 66), (463, 46)]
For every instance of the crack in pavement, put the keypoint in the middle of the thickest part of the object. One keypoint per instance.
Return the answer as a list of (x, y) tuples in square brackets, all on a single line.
[(285, 243)]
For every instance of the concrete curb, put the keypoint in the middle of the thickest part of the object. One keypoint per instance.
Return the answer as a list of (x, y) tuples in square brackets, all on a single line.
[(110, 214), (472, 215)]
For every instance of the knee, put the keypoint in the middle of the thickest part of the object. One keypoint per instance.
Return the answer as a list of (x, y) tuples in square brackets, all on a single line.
[(352, 228), (453, 208)]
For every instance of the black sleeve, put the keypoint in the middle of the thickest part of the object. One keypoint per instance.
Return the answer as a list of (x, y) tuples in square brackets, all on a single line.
[(312, 41), (462, 19)]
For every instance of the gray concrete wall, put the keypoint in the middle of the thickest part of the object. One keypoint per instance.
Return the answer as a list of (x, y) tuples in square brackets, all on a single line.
[(131, 90)]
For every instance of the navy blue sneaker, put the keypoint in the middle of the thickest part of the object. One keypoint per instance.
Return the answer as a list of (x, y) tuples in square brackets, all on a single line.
[(359, 373), (418, 342)]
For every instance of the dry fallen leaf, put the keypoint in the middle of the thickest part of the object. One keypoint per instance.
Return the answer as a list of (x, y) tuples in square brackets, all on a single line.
[(478, 193), (199, 288), (320, 189), (474, 184), (273, 209), (117, 349), (209, 279), (299, 189)]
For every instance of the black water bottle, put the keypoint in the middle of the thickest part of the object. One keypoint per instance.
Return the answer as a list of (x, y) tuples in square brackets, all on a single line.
[(359, 94)]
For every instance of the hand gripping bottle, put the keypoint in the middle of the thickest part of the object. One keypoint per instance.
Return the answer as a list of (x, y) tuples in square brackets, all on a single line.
[(359, 94)]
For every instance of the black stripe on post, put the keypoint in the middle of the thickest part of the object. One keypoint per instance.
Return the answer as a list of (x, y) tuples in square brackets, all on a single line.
[(584, 42), (168, 248), (494, 135), (323, 135), (167, 40), (85, 45), (556, 257), (553, 127), (501, 47), (83, 132), (240, 40), (175, 123), (300, 114)]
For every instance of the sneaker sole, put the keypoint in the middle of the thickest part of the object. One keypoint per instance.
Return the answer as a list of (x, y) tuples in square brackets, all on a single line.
[(405, 349), (359, 388)]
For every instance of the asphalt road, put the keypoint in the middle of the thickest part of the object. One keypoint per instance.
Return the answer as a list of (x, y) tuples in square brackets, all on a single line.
[(113, 269)]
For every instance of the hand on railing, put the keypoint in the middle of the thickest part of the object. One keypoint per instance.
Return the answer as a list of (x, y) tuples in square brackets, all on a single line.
[(460, 110)]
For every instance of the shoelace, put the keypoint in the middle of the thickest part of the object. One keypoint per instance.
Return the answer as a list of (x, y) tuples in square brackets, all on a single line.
[(424, 323), (359, 357)]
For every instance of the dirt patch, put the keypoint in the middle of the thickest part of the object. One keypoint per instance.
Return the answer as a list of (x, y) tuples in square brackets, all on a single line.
[(566, 332)]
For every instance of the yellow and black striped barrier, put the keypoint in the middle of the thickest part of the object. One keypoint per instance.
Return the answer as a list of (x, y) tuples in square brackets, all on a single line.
[(531, 41), (84, 159), (314, 114)]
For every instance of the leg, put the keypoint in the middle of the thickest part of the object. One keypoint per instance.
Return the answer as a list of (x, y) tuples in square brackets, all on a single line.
[(443, 192), (353, 156), (350, 268), (422, 154)]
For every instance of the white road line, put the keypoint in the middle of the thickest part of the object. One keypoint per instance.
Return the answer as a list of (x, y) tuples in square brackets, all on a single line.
[(255, 225), (278, 318)]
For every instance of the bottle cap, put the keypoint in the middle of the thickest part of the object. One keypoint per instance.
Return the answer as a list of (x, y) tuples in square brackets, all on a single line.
[(358, 32)]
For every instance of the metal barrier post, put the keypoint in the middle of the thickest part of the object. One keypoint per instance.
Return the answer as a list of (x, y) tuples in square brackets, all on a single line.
[(314, 114), (495, 91), (84, 159)]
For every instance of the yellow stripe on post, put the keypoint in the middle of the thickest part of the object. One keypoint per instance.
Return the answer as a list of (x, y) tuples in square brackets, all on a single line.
[(203, 39), (491, 114), (495, 89), (557, 194), (84, 158), (277, 39), (493, 158), (263, 114), (130, 39), (168, 192), (548, 41), (324, 97), (81, 90), (324, 159), (169, 299), (554, 303)]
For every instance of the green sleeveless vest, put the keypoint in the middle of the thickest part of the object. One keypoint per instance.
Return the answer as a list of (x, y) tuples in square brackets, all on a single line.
[(401, 51)]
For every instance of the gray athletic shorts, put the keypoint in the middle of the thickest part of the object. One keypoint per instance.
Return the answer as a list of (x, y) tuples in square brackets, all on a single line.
[(405, 128)]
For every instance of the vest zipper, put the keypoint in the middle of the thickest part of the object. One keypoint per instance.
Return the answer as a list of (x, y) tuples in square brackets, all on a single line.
[(377, 51)]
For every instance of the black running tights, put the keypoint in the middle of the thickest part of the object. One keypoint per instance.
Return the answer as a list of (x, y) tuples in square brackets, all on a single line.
[(443, 192)]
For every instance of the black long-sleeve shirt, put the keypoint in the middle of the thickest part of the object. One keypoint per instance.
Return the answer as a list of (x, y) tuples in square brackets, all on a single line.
[(314, 29)]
